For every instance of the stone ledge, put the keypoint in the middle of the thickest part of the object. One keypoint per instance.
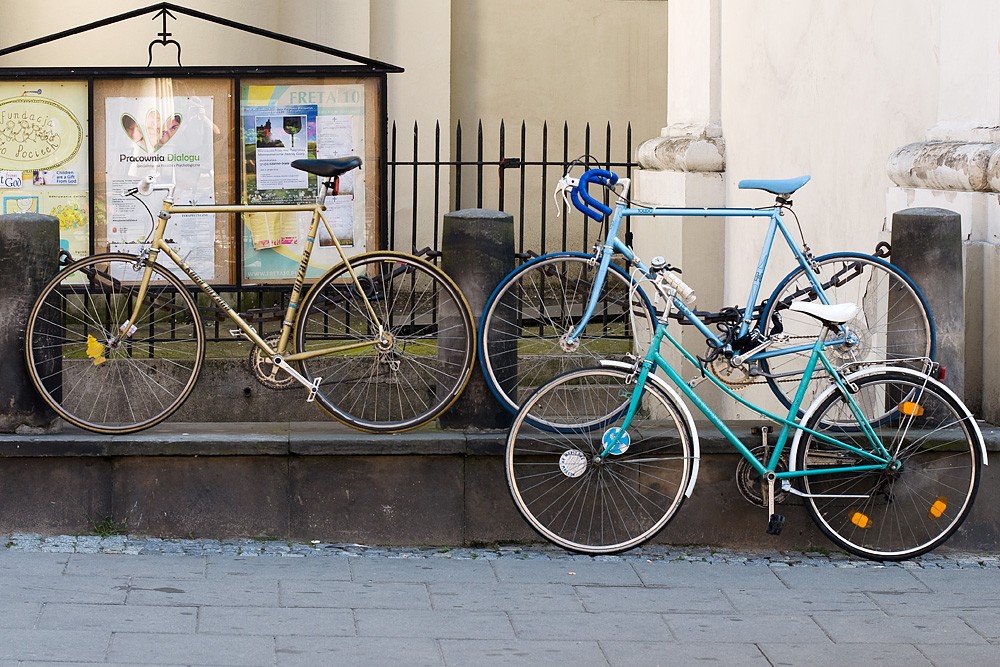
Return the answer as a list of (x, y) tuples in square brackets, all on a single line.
[(313, 439)]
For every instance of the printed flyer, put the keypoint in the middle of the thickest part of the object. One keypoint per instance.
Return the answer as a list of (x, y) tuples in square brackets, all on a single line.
[(43, 156), (286, 123), (170, 138)]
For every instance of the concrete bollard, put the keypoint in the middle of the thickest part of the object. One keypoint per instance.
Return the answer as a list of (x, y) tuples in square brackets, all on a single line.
[(29, 257), (927, 246), (477, 249)]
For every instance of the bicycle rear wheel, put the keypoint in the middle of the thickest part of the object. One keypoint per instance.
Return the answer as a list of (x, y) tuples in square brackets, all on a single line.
[(928, 489), (528, 313), (94, 382), (893, 323), (415, 376), (583, 503)]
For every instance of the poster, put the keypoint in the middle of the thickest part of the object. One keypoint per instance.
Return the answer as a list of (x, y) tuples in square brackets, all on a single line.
[(285, 123), (171, 139), (43, 156)]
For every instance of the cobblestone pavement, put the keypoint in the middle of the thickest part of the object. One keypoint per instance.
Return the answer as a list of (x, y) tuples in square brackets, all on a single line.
[(127, 544)]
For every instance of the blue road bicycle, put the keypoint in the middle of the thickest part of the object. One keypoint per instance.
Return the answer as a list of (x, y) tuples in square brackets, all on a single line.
[(567, 310), (887, 459)]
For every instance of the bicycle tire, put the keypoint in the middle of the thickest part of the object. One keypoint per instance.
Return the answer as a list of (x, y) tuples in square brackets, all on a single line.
[(429, 362), (574, 500), (893, 323), (119, 388), (914, 508), (544, 299)]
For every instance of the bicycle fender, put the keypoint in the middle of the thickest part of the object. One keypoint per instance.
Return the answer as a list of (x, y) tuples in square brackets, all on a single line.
[(977, 433), (688, 417)]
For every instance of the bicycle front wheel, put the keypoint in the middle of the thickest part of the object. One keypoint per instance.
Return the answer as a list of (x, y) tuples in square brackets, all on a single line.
[(93, 376), (925, 493), (545, 299), (893, 323), (413, 375), (575, 498)]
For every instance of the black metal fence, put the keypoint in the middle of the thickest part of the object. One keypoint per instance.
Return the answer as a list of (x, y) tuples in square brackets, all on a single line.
[(527, 166), (429, 177)]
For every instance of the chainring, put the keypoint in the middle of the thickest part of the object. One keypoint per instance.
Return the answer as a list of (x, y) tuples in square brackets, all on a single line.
[(264, 369), (736, 377), (752, 485)]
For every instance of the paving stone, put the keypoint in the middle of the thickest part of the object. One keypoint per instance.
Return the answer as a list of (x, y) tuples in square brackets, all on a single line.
[(622, 625), (423, 569), (122, 566), (659, 600), (166, 592), (118, 618), (948, 655), (546, 571), (53, 645), (353, 595), (505, 597), (877, 628), (839, 655), (739, 629), (221, 566), (312, 651), (518, 653), (629, 654), (436, 624), (270, 621), (192, 649)]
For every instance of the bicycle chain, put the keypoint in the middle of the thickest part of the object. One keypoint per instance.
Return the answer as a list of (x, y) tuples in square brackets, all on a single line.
[(746, 379)]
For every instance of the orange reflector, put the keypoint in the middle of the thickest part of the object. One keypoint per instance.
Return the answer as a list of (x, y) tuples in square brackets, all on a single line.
[(938, 508), (912, 409), (860, 520)]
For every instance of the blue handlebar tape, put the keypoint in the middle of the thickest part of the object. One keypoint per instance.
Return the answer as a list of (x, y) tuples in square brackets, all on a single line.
[(604, 178), (580, 206)]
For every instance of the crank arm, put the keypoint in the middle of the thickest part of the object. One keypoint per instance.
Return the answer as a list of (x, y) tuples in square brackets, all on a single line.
[(313, 386)]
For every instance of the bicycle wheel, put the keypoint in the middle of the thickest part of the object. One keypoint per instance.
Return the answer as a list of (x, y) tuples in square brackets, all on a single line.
[(88, 377), (591, 505), (893, 322), (928, 489), (413, 377), (542, 300)]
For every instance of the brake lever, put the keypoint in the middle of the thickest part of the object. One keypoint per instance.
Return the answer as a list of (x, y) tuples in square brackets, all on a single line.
[(565, 183)]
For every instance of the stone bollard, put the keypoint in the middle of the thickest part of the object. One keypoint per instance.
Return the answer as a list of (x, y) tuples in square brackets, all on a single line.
[(477, 249), (29, 257), (927, 246)]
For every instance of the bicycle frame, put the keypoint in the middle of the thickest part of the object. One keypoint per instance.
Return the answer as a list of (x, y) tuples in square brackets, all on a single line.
[(878, 455), (613, 244), (157, 244)]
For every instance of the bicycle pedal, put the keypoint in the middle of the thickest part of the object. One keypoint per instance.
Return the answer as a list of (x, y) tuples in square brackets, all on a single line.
[(775, 524), (313, 388)]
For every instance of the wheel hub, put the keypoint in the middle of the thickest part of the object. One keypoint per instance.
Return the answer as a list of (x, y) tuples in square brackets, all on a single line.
[(386, 342), (857, 342), (566, 345)]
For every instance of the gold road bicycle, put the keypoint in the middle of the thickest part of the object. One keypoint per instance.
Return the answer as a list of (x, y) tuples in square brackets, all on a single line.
[(383, 341)]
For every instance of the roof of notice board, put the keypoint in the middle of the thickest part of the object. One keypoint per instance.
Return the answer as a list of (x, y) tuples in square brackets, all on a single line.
[(167, 10)]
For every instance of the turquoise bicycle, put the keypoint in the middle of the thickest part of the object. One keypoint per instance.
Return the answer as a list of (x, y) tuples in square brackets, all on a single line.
[(567, 310), (886, 458)]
